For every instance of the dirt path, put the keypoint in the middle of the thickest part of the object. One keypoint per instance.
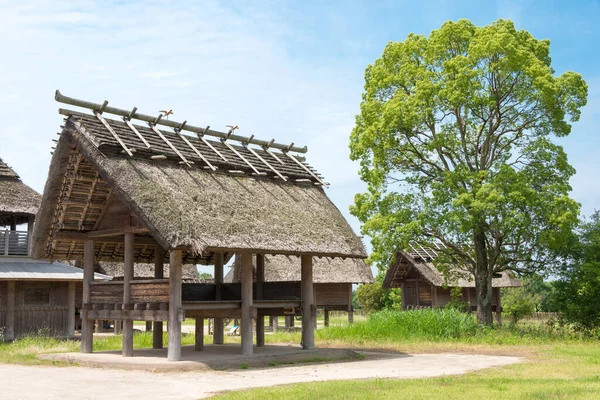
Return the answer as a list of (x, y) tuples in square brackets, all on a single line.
[(24, 382)]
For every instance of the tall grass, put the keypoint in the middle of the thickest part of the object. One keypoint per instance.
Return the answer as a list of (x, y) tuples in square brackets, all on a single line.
[(390, 325)]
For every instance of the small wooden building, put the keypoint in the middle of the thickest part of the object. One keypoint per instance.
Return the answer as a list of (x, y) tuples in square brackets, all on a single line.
[(36, 297), (121, 189), (332, 277), (423, 285)]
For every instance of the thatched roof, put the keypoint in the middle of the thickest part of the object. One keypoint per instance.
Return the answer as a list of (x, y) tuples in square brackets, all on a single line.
[(17, 200), (189, 272), (406, 262), (325, 270), (186, 207)]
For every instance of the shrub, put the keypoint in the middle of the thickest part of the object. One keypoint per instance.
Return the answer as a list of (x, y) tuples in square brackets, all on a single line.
[(519, 302)]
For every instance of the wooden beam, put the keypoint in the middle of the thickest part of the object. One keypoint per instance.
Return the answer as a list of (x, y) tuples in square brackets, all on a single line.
[(116, 232), (159, 262), (174, 329), (9, 331), (350, 306), (82, 237), (275, 323), (199, 339), (326, 317), (127, 278), (71, 310), (498, 307), (87, 325), (308, 306), (433, 296), (218, 334), (246, 328)]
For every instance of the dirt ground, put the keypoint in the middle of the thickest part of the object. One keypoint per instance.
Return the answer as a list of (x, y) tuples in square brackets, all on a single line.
[(26, 382)]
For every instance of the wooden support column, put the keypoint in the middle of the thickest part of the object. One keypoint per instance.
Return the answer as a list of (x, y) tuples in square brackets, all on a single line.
[(498, 307), (418, 300), (159, 264), (325, 317), (350, 306), (70, 310), (87, 325), (433, 296), (218, 336), (9, 331), (30, 221), (199, 340), (260, 319), (174, 329), (118, 327), (98, 326), (308, 306), (127, 278), (403, 296), (247, 302), (275, 323)]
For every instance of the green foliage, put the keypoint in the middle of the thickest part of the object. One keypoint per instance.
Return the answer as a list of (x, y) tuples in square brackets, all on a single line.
[(519, 302), (370, 297), (454, 140), (456, 301), (544, 291), (578, 290), (390, 325), (205, 276), (392, 299)]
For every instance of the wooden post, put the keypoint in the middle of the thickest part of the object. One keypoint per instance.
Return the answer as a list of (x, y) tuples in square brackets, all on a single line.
[(98, 326), (350, 306), (403, 296), (127, 278), (118, 327), (30, 221), (275, 323), (218, 336), (246, 330), (308, 306), (418, 293), (498, 307), (70, 310), (174, 329), (199, 340), (87, 325), (325, 317), (433, 296), (260, 319), (9, 331), (159, 264)]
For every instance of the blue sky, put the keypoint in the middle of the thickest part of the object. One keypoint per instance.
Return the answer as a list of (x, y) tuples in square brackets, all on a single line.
[(288, 70)]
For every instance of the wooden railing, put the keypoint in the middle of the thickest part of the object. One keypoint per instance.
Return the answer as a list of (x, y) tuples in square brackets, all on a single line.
[(14, 243)]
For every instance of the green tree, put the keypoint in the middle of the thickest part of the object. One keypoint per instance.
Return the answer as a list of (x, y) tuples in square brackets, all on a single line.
[(453, 137), (578, 289), (370, 296), (519, 302)]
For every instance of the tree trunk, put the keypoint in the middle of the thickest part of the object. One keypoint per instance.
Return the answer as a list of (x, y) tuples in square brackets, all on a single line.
[(483, 280)]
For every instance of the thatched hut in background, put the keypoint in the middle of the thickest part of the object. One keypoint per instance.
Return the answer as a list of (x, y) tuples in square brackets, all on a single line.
[(133, 193), (35, 296), (189, 272), (332, 277), (423, 285)]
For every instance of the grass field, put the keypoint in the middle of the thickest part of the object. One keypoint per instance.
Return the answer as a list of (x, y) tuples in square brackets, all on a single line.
[(561, 364)]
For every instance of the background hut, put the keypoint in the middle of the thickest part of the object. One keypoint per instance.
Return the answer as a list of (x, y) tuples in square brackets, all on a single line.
[(423, 285), (332, 277), (35, 296)]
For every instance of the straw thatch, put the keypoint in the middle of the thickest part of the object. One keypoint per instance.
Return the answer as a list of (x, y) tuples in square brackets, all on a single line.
[(457, 277), (189, 272), (184, 207), (325, 270), (17, 200)]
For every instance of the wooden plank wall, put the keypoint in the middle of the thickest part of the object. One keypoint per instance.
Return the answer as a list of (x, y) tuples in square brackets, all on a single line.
[(3, 288), (332, 294), (41, 307)]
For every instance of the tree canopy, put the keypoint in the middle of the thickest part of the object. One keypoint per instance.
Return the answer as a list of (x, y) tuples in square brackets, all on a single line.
[(454, 140)]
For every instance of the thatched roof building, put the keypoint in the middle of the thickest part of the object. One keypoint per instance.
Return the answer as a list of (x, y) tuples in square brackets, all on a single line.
[(325, 270), (17, 200), (192, 208), (423, 285), (406, 262)]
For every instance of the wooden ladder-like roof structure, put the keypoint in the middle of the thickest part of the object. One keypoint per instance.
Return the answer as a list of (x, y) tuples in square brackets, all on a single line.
[(233, 194)]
